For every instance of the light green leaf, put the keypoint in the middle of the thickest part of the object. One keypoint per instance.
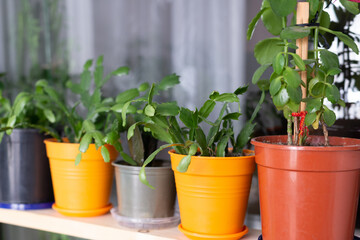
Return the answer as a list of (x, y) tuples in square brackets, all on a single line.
[(281, 98), (143, 87), (85, 142), (332, 93), (279, 63), (292, 77), (105, 154), (298, 61), (271, 21), (313, 105), (88, 125), (329, 116), (225, 97), (149, 110), (294, 32), (168, 82), (127, 95), (275, 86), (329, 60), (310, 118), (184, 164), (294, 94), (98, 136), (253, 23), (259, 72), (282, 8), (88, 64), (186, 116), (78, 159), (207, 108), (315, 87), (267, 49), (121, 71), (344, 38), (49, 115), (333, 71), (167, 109)]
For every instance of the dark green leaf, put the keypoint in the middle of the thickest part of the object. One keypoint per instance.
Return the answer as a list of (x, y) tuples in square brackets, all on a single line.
[(314, 6), (329, 60), (127, 95), (279, 63), (315, 87), (127, 158), (253, 23), (111, 138), (232, 116), (159, 132), (244, 136), (201, 140), (275, 86), (167, 109), (272, 22), (344, 38), (329, 117), (85, 142), (267, 49), (281, 98), (222, 143), (298, 61), (225, 97), (294, 32), (334, 71), (313, 105), (263, 85), (310, 118), (241, 90), (352, 7), (292, 77), (207, 108), (294, 94), (282, 8), (151, 93), (325, 20), (88, 64), (332, 93), (259, 72), (186, 116)]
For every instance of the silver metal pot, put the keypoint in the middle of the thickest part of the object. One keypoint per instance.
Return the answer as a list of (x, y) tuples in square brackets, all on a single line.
[(136, 200)]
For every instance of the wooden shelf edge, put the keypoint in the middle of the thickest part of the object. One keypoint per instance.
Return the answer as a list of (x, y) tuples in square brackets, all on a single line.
[(101, 227)]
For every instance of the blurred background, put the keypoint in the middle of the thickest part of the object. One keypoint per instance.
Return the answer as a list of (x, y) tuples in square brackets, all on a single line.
[(203, 41)]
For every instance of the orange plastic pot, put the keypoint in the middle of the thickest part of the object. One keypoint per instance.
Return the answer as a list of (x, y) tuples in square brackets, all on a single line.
[(83, 190), (213, 195), (308, 192)]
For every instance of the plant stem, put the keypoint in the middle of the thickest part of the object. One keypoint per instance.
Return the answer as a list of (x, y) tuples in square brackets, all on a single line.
[(285, 42), (326, 134), (289, 130), (296, 131)]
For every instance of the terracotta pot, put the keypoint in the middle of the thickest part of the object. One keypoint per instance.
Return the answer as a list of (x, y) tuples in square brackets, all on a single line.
[(213, 195), (83, 190), (308, 192)]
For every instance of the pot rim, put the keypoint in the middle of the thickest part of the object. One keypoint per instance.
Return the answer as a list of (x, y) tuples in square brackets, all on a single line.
[(252, 152), (347, 144), (118, 164)]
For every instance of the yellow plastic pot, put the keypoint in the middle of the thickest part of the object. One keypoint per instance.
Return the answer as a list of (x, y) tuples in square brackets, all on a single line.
[(213, 195), (83, 190)]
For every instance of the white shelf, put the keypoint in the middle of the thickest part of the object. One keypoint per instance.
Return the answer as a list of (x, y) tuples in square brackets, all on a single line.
[(97, 228)]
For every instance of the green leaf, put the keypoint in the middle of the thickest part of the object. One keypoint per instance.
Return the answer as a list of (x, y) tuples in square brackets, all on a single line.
[(127, 95), (143, 87), (294, 32), (232, 116), (263, 85), (241, 90), (333, 71), (159, 132), (184, 164), (121, 71), (314, 6), (352, 7), (111, 138), (225, 97), (168, 82), (78, 159), (259, 72), (49, 115), (325, 20), (20, 101), (275, 86), (329, 116), (11, 123), (282, 8), (315, 87), (272, 22), (98, 74), (344, 38), (151, 93), (313, 105), (281, 98), (298, 61), (98, 136), (207, 108), (253, 23), (85, 81), (88, 64), (85, 142), (127, 158), (88, 126), (279, 63), (310, 118), (201, 140), (124, 111), (267, 49), (292, 77), (341, 103), (329, 60), (294, 94), (332, 93), (149, 110), (186, 116), (105, 154), (167, 109)]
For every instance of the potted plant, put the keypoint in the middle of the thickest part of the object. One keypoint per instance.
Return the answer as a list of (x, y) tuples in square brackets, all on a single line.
[(212, 179), (309, 185), (139, 206), (80, 162), (25, 173)]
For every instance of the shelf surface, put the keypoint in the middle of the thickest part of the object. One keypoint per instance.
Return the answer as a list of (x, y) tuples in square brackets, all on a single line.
[(102, 227)]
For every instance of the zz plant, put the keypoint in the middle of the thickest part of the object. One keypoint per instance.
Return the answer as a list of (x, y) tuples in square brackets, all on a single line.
[(285, 83), (181, 128)]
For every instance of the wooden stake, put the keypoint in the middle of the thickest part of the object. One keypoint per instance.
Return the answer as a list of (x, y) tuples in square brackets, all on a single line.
[(302, 16)]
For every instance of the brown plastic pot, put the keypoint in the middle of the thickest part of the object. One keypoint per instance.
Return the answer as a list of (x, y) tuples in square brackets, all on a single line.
[(308, 192)]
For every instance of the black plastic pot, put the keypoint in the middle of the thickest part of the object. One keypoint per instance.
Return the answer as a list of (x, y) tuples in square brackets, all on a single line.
[(25, 180)]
